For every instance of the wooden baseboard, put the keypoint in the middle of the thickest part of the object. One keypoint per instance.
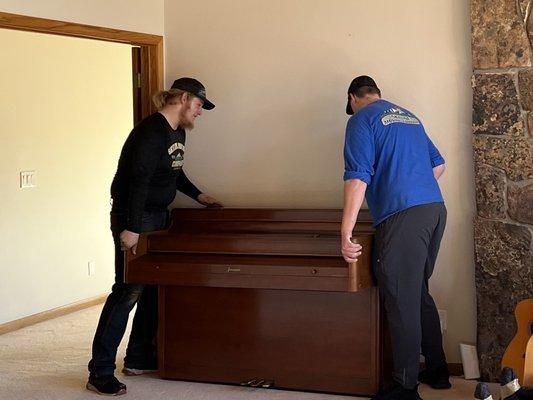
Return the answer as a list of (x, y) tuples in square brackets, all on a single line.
[(54, 313), (456, 369)]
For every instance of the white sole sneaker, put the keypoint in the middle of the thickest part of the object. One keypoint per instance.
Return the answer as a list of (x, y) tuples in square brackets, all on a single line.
[(136, 372), (93, 388)]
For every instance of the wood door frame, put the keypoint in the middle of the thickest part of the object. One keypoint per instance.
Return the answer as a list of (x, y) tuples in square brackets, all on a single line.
[(152, 73)]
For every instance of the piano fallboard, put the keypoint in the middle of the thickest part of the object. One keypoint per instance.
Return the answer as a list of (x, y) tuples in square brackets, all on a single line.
[(261, 272)]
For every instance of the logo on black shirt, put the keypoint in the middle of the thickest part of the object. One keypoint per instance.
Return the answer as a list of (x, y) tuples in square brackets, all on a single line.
[(176, 152)]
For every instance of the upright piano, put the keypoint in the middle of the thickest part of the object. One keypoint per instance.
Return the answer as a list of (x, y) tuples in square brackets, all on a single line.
[(263, 298)]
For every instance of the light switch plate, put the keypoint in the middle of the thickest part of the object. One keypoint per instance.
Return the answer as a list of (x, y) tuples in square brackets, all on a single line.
[(27, 179), (91, 268)]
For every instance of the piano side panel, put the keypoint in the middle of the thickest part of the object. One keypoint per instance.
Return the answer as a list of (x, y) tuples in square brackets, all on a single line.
[(360, 273), (319, 341)]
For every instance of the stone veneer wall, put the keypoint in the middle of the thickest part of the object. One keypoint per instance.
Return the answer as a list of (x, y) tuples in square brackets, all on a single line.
[(503, 157)]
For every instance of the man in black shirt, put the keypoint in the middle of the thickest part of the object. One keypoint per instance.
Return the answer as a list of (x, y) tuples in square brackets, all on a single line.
[(148, 175)]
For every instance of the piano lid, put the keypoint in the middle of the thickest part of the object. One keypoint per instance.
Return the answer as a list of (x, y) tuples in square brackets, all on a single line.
[(265, 220)]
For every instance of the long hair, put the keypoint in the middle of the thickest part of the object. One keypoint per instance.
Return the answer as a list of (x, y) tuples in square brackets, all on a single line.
[(165, 97)]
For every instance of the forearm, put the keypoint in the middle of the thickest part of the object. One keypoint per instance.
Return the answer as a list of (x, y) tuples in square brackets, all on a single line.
[(354, 195), (185, 186), (438, 171)]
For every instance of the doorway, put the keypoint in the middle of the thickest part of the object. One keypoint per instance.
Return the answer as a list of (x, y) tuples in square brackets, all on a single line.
[(70, 147)]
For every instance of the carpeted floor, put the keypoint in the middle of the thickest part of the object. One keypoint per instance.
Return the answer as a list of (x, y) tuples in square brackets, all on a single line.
[(48, 361)]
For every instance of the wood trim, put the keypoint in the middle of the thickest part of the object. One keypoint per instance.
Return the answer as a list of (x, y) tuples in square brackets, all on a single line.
[(26, 23), (456, 369), (50, 314), (152, 74), (146, 81), (136, 77)]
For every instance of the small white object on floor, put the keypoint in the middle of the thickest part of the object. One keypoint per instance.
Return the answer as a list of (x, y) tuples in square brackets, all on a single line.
[(470, 361)]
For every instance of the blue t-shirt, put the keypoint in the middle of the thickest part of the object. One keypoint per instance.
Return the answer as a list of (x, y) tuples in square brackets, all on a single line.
[(387, 147)]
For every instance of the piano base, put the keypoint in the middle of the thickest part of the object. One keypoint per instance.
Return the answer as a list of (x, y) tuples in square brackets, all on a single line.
[(290, 339)]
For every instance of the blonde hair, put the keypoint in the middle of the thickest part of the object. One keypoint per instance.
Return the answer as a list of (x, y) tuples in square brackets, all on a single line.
[(165, 97)]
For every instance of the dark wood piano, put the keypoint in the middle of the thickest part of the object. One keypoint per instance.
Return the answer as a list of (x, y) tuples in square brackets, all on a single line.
[(262, 297)]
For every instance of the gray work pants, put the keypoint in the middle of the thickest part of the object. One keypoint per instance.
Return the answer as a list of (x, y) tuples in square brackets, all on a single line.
[(405, 251)]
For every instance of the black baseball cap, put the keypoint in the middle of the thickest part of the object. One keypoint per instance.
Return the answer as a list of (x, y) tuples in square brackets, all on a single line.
[(357, 83), (193, 86)]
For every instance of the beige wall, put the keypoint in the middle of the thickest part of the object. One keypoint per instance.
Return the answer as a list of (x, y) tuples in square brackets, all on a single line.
[(278, 72), (132, 15), (65, 107)]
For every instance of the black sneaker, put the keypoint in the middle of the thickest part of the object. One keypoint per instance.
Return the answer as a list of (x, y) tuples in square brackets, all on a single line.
[(398, 392), (509, 386), (437, 378), (482, 392), (149, 367), (106, 385)]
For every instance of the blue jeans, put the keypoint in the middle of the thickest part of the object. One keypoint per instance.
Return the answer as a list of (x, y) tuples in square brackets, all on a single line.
[(141, 351)]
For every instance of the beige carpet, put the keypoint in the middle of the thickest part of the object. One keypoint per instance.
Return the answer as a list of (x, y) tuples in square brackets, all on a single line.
[(48, 361)]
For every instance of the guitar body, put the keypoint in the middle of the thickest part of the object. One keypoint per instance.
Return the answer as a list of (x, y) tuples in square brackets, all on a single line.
[(528, 365), (519, 353)]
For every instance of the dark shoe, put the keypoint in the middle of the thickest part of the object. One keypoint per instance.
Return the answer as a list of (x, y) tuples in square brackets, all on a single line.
[(135, 369), (509, 386), (106, 385), (482, 392), (398, 392), (437, 378)]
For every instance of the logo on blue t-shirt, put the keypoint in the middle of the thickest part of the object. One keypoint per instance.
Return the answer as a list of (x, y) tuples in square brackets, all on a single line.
[(397, 115)]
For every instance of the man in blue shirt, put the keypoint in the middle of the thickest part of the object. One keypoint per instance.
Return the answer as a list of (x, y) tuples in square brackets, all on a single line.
[(389, 157)]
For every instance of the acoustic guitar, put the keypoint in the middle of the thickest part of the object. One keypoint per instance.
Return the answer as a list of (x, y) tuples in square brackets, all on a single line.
[(519, 353)]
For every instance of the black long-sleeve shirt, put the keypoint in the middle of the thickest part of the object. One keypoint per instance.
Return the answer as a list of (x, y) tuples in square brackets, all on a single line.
[(150, 170)]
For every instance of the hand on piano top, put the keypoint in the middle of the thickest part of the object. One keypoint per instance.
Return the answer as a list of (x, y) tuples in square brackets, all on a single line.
[(129, 240), (209, 201), (350, 250)]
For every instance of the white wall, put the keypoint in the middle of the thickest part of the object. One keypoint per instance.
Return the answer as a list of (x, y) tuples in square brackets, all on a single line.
[(278, 72), (41, 285), (132, 15), (66, 107)]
